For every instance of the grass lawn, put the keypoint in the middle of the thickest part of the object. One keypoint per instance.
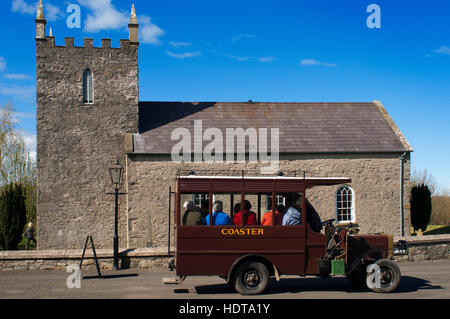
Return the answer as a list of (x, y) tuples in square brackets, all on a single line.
[(434, 230)]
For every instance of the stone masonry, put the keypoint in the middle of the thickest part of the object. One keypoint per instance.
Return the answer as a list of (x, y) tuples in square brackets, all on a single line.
[(375, 181), (77, 142)]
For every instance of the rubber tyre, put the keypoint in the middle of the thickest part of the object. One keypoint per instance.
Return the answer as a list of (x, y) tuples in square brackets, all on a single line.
[(251, 278), (390, 276)]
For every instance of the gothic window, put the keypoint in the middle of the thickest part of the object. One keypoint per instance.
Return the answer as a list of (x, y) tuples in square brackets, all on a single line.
[(88, 87), (345, 205)]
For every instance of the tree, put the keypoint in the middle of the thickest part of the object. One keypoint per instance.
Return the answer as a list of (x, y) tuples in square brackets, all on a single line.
[(419, 177), (420, 207), (13, 215), (16, 168), (16, 164)]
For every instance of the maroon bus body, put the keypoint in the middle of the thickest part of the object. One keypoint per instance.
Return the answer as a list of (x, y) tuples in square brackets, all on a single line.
[(206, 250)]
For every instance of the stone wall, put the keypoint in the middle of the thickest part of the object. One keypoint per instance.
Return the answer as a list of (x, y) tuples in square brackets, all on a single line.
[(375, 181), (77, 142), (420, 248), (429, 247), (60, 259)]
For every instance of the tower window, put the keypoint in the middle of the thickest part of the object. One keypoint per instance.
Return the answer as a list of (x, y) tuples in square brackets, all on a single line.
[(88, 87)]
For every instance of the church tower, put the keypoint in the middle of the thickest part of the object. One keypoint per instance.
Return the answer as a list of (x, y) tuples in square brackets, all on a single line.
[(87, 102)]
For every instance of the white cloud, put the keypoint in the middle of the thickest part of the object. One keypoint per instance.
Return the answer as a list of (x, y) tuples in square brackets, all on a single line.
[(2, 64), (23, 7), (105, 16), (12, 76), (267, 59), (314, 62), (239, 58), (149, 32), (22, 93), (52, 12), (239, 37), (443, 50), (183, 55), (179, 44)]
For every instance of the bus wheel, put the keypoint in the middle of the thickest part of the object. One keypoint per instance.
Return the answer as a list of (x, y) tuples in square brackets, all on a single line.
[(389, 276), (251, 278)]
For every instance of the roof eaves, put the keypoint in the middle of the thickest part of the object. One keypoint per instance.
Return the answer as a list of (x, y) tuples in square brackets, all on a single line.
[(394, 127)]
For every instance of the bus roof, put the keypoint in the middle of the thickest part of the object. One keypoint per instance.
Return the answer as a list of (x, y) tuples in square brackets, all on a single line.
[(300, 178), (263, 184)]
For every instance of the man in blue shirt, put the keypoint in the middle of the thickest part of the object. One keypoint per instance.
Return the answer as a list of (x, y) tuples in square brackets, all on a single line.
[(292, 215), (218, 216)]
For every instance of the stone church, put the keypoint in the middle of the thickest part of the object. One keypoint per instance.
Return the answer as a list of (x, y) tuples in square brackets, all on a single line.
[(89, 115)]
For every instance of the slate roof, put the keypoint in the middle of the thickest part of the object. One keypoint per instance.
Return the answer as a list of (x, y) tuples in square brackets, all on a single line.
[(303, 127)]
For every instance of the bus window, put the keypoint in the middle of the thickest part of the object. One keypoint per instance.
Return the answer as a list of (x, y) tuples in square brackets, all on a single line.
[(294, 209), (245, 213), (222, 209), (269, 218), (193, 210)]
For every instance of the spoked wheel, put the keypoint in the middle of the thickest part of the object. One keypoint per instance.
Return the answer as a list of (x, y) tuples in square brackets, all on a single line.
[(389, 276), (251, 278)]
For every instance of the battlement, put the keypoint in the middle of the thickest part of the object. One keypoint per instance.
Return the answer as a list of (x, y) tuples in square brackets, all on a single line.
[(49, 40), (69, 42)]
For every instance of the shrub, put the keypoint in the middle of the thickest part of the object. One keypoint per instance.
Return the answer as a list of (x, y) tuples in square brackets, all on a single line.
[(13, 215), (420, 207)]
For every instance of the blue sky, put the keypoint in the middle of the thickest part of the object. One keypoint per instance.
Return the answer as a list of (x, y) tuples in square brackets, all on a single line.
[(315, 50)]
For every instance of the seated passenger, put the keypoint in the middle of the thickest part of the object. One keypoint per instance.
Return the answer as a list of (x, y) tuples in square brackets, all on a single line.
[(193, 215), (218, 216), (249, 216), (267, 218), (292, 215)]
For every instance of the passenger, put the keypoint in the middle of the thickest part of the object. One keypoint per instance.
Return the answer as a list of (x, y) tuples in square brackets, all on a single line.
[(292, 215), (192, 216), (218, 216), (267, 218), (249, 216)]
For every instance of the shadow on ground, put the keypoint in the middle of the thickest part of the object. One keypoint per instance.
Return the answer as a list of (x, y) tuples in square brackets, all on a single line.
[(110, 276), (296, 285)]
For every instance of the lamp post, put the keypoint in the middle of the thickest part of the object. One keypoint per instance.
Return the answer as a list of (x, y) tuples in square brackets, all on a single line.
[(116, 174)]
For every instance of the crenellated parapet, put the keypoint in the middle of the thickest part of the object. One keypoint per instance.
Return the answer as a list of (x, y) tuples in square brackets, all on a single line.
[(49, 40)]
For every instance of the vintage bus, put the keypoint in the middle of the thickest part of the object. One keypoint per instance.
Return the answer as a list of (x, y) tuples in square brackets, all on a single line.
[(247, 253)]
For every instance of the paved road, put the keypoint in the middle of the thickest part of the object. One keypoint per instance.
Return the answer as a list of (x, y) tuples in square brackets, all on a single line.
[(419, 280)]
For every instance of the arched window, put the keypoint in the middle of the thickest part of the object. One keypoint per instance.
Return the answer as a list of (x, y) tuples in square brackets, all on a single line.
[(345, 205), (88, 87)]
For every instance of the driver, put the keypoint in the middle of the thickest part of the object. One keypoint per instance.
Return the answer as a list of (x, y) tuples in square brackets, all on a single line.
[(292, 215)]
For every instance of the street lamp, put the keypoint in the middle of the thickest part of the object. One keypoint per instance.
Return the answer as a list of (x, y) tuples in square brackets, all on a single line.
[(116, 174)]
